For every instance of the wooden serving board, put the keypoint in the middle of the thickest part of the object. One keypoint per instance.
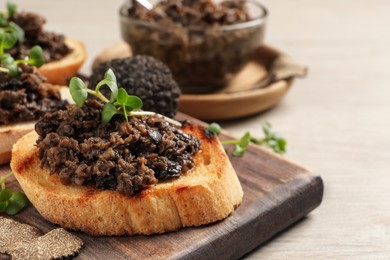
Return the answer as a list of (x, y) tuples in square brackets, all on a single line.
[(277, 193)]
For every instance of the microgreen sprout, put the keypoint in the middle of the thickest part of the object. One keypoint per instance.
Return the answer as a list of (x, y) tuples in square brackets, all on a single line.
[(215, 128), (120, 103), (11, 202), (271, 140), (11, 8), (10, 35), (11, 66), (241, 145)]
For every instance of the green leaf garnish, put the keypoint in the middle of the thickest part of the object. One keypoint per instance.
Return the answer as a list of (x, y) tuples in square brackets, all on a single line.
[(5, 194), (10, 34), (11, 8), (110, 81), (119, 103), (78, 91), (11, 202), (35, 56), (266, 128), (6, 59), (16, 202), (13, 69), (242, 145), (122, 97), (239, 151), (8, 40), (3, 20), (244, 141), (17, 31), (108, 112), (215, 128), (130, 101), (3, 206), (271, 140)]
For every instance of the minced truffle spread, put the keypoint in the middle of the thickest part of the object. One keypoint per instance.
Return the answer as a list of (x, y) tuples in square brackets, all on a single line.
[(53, 45), (201, 41), (195, 13), (26, 97), (122, 156)]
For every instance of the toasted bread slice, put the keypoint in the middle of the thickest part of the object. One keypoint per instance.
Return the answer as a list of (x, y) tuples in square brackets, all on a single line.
[(208, 193), (9, 134), (59, 72)]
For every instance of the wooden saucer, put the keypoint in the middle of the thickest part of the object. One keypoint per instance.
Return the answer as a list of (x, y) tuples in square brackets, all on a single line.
[(224, 106), (254, 89)]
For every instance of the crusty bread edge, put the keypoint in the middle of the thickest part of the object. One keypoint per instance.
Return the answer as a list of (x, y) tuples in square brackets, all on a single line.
[(9, 134), (59, 72), (210, 192)]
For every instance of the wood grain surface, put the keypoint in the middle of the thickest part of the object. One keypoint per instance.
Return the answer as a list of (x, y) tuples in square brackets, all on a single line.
[(277, 193), (336, 120)]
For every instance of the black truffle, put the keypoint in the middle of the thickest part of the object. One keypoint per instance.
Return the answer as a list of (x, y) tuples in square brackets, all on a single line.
[(143, 76)]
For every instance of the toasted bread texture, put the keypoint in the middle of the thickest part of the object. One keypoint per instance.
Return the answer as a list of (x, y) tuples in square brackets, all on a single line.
[(59, 72), (9, 134), (208, 193)]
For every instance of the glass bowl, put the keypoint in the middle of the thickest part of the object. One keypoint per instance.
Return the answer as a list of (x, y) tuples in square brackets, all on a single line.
[(201, 58)]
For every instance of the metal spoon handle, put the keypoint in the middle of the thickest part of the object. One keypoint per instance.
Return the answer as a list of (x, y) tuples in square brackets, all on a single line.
[(145, 3)]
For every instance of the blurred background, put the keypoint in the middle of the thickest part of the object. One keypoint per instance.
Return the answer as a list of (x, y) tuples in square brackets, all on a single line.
[(336, 121)]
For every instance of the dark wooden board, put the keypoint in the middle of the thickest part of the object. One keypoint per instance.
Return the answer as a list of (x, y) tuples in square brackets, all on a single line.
[(277, 193)]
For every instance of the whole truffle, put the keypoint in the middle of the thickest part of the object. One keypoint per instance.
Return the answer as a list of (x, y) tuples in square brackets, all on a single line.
[(143, 76)]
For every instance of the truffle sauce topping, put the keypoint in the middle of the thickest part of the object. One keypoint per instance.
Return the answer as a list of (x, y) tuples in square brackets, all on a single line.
[(122, 156), (192, 12), (26, 97), (53, 45)]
